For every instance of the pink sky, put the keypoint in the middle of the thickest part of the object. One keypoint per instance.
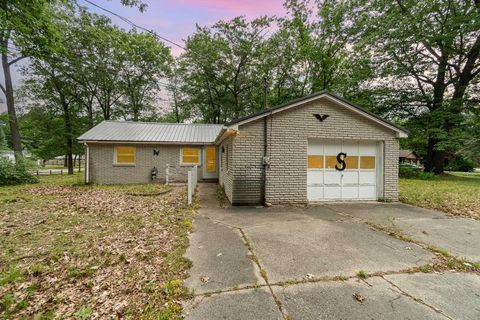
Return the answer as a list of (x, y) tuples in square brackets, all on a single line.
[(176, 19)]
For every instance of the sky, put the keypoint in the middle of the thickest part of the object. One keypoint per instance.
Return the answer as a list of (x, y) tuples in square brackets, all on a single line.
[(176, 19)]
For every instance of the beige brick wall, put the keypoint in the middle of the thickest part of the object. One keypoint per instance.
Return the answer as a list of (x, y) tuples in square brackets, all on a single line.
[(104, 171), (289, 132), (226, 172)]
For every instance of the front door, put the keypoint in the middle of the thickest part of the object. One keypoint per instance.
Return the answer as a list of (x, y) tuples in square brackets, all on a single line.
[(210, 170)]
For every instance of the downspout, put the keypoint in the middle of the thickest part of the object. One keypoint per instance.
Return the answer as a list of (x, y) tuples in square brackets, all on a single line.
[(87, 163)]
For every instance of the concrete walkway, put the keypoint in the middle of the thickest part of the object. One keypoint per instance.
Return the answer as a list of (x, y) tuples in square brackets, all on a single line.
[(302, 262)]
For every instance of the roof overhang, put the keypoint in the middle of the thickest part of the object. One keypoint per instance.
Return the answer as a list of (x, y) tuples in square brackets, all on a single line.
[(401, 133), (146, 142)]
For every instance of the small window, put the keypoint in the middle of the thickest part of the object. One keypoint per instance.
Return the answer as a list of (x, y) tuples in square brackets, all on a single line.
[(125, 155), (190, 156), (315, 162), (351, 162), (367, 162)]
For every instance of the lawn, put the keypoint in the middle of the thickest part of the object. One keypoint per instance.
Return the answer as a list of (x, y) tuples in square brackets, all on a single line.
[(89, 252), (454, 193)]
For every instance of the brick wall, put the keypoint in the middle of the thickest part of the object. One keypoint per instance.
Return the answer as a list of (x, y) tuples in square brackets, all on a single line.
[(104, 171), (289, 132)]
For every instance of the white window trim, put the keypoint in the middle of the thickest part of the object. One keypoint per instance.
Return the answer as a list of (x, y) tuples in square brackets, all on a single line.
[(190, 163), (124, 164)]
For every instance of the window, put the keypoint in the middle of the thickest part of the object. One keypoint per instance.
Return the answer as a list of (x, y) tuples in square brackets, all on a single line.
[(315, 162), (125, 155), (367, 162), (190, 156)]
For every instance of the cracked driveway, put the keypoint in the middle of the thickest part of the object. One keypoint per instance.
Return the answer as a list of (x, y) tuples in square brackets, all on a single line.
[(302, 262)]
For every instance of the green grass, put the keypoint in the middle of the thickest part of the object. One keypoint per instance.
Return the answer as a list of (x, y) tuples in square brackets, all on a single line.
[(454, 192), (68, 243)]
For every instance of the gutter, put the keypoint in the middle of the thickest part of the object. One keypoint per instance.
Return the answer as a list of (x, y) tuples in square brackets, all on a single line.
[(87, 163)]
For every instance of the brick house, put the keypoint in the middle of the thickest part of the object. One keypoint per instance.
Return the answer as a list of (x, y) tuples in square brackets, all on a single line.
[(316, 148)]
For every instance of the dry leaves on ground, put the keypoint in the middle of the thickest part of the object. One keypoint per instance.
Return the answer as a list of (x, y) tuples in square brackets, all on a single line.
[(92, 252)]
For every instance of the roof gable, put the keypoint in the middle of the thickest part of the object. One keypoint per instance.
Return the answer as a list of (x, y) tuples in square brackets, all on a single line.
[(322, 94)]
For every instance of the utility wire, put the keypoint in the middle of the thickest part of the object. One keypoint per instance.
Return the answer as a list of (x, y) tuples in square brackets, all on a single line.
[(135, 25)]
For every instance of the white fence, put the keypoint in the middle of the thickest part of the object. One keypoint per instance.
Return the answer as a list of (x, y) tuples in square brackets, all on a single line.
[(192, 183)]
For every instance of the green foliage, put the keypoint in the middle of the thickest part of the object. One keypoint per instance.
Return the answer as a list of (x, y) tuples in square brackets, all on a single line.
[(413, 172), (461, 164), (15, 172)]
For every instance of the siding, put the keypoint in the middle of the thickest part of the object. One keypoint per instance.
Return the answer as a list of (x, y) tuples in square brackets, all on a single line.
[(289, 132), (103, 171)]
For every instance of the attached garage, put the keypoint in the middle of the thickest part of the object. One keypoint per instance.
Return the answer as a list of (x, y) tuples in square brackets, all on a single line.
[(344, 170), (314, 149)]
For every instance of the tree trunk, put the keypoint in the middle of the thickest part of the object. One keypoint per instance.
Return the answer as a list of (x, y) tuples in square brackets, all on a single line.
[(435, 160), (68, 129), (8, 91)]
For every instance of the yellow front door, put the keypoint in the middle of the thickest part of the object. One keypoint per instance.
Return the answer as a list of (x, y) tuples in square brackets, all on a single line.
[(211, 159)]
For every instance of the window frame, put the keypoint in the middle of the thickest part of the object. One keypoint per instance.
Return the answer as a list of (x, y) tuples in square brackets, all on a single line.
[(124, 164), (190, 163)]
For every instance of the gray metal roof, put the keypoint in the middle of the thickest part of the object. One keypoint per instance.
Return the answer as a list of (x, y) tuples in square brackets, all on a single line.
[(126, 131)]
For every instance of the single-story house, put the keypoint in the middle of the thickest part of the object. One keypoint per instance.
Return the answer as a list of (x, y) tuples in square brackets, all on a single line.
[(316, 148), (410, 157)]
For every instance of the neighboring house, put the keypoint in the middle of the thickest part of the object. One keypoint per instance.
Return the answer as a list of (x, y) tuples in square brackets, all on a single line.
[(316, 148), (10, 154), (410, 157)]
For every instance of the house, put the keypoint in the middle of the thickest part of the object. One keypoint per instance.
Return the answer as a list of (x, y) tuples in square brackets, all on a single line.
[(410, 157), (316, 148)]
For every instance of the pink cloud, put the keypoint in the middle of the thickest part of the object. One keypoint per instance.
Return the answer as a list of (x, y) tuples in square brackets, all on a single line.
[(244, 7)]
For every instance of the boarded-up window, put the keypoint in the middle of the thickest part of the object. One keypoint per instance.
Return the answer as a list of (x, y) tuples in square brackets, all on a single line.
[(330, 162), (190, 156), (125, 155), (351, 162), (367, 162), (315, 162)]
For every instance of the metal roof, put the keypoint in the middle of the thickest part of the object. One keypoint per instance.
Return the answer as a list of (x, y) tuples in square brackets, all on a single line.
[(127, 131)]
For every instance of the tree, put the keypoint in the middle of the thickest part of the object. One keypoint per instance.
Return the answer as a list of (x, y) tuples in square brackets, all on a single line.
[(427, 54), (143, 62), (23, 26)]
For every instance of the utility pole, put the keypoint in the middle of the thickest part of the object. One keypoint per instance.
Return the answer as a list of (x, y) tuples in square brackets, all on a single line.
[(265, 92)]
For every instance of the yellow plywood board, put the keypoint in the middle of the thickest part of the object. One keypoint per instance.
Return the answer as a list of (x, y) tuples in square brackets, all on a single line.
[(367, 162), (315, 162), (211, 156), (351, 162)]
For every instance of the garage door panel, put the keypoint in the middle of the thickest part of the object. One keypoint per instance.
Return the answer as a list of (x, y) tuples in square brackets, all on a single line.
[(367, 192), (315, 193), (332, 192), (350, 148), (350, 192), (367, 149), (314, 177), (368, 177), (332, 177), (350, 177), (357, 181)]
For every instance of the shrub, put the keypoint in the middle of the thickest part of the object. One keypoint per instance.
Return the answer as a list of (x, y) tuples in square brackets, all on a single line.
[(460, 164), (15, 172), (413, 172)]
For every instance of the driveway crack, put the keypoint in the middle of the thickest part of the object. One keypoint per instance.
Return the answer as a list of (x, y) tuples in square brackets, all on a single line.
[(416, 299)]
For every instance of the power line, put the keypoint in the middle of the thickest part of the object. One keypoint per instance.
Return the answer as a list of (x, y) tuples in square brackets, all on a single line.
[(135, 25)]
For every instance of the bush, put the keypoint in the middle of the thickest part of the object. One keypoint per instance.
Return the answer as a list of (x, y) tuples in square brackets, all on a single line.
[(15, 172), (460, 164), (412, 172)]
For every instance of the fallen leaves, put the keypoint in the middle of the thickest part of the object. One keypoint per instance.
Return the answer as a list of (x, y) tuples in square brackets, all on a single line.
[(91, 252), (357, 296)]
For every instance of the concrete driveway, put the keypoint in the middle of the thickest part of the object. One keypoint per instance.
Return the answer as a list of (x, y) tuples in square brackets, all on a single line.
[(304, 262)]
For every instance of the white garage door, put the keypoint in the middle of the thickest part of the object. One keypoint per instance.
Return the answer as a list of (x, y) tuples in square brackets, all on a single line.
[(342, 170)]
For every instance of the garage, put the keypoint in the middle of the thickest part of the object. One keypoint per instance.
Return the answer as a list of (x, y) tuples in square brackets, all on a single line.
[(344, 170)]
